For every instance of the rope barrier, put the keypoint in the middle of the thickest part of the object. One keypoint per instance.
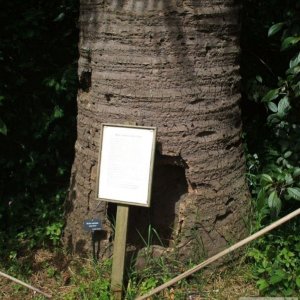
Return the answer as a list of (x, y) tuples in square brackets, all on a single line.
[(25, 284), (221, 254)]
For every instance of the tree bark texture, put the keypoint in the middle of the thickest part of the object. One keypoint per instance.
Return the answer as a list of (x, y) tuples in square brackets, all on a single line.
[(172, 64)]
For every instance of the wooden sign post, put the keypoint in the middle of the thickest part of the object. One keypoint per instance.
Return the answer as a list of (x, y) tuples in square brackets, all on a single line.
[(119, 251), (124, 176)]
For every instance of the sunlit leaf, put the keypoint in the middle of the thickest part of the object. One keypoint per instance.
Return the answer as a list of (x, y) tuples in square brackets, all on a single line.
[(289, 42), (274, 202), (259, 78), (293, 71), (287, 154), (60, 17), (296, 172), (295, 61), (262, 284), (288, 179), (266, 178), (271, 95), (275, 28), (283, 106), (272, 106), (294, 192), (277, 277)]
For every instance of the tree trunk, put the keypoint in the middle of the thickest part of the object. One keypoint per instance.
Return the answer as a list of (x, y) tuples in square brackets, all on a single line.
[(173, 65)]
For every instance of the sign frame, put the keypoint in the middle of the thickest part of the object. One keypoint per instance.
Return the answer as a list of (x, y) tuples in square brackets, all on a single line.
[(150, 177)]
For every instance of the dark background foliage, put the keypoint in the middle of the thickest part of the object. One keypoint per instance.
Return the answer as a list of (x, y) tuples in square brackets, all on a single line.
[(38, 83), (271, 94), (270, 71)]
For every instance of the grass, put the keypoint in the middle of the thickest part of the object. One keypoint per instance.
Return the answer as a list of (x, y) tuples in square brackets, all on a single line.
[(72, 278)]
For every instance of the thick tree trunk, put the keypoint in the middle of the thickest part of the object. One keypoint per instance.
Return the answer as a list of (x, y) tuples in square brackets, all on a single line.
[(173, 65)]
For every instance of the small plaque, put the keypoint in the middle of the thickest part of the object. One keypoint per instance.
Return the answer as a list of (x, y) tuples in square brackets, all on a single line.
[(92, 225)]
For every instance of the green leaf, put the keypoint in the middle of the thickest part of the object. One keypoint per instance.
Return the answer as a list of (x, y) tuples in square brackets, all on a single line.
[(60, 17), (298, 281), (271, 95), (294, 192), (295, 61), (296, 88), (3, 128), (288, 179), (277, 277), (289, 42), (275, 28), (272, 106), (283, 106), (258, 78), (58, 112), (293, 71), (266, 178), (273, 119), (261, 198), (287, 154), (274, 202), (262, 284), (296, 172)]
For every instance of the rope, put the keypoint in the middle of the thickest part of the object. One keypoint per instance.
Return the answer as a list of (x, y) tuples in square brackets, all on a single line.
[(25, 284), (221, 254)]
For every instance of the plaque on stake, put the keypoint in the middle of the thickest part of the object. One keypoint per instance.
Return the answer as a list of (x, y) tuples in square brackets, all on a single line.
[(124, 176), (92, 225)]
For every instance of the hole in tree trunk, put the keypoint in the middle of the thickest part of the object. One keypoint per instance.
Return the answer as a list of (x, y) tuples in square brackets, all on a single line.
[(85, 81), (169, 184)]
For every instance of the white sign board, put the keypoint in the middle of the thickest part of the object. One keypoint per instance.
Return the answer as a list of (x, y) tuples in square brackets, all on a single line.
[(126, 164)]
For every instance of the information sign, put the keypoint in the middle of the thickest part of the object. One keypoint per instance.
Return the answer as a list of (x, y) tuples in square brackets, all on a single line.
[(92, 225), (126, 164)]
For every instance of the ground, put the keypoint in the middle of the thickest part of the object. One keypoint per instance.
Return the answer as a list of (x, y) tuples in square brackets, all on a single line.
[(68, 278)]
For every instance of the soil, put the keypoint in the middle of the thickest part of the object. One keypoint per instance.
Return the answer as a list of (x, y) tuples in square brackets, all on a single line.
[(52, 273)]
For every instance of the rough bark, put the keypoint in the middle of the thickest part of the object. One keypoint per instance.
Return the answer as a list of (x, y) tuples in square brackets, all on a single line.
[(173, 65)]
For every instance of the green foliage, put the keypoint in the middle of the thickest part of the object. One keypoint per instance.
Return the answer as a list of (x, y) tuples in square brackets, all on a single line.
[(38, 54), (159, 265), (276, 261), (93, 290), (53, 231), (92, 282), (273, 138), (275, 180), (152, 235)]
